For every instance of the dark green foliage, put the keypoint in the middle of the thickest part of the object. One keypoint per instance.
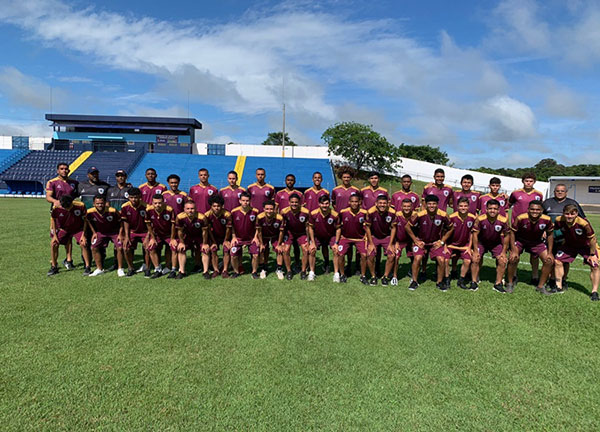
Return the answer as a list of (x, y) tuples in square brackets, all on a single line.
[(545, 169), (274, 139)]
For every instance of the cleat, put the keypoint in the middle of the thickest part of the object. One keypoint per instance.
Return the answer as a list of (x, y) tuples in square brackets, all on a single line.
[(454, 274), (141, 269), (156, 275), (87, 271), (180, 275), (413, 285), (441, 286), (53, 270), (385, 281), (336, 277), (166, 271), (363, 280), (225, 274), (255, 275), (373, 281), (510, 288), (130, 272), (446, 282), (172, 274), (206, 275), (461, 283), (121, 272), (543, 290), (147, 273), (69, 265), (422, 277), (534, 281), (214, 274), (235, 275), (326, 269), (97, 272), (303, 275), (409, 274), (311, 276), (474, 286), (114, 267), (263, 274), (394, 281), (499, 288), (280, 274), (594, 296), (289, 275), (559, 290), (65, 264), (343, 278)]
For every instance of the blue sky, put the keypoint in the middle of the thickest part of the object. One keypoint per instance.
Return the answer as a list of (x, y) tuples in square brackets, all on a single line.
[(494, 83)]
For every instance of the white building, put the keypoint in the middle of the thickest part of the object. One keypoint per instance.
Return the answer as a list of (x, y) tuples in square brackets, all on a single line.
[(585, 190)]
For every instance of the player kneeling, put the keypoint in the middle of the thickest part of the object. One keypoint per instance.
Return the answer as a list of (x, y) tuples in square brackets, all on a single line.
[(322, 224), (527, 234), (270, 228), (218, 221), (133, 215), (192, 234), (160, 221), (434, 228), (68, 222), (580, 239), (244, 234), (461, 245), (106, 227), (491, 234), (354, 230)]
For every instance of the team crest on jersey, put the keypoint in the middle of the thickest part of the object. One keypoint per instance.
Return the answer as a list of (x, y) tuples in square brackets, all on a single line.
[(537, 198), (340, 248), (388, 219), (473, 198), (361, 219), (77, 212), (469, 224), (446, 193), (559, 253), (197, 224), (179, 200), (267, 193), (142, 213), (252, 217), (498, 228), (158, 192), (578, 231), (502, 203), (223, 221), (210, 191), (413, 199), (437, 222), (234, 249), (415, 249), (330, 220), (239, 195), (302, 218), (167, 217), (542, 226), (100, 191), (126, 194), (72, 185), (109, 218), (276, 225)]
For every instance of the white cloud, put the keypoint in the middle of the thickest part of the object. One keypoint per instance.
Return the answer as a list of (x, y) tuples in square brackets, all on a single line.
[(24, 90), (509, 119)]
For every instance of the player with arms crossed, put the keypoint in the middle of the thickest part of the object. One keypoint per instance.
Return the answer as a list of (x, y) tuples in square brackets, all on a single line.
[(160, 221), (404, 193), (133, 215), (218, 221), (244, 234), (192, 233), (354, 231), (270, 227), (434, 229), (580, 239), (68, 222), (527, 234), (491, 233), (322, 225), (382, 223), (460, 244), (105, 224)]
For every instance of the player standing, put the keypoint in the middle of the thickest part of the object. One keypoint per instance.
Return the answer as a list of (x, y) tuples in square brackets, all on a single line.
[(61, 185), (174, 197), (313, 193), (371, 193), (460, 243), (401, 238), (260, 191), (192, 235), (231, 193), (382, 220), (202, 192), (270, 227), (404, 193), (282, 198), (296, 221), (466, 182), (92, 187), (118, 194), (105, 224), (151, 187), (244, 234), (160, 221), (135, 230), (340, 195), (494, 194), (219, 233), (322, 225), (444, 192)]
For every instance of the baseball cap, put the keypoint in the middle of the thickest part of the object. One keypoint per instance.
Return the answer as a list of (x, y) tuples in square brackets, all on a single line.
[(121, 172), (92, 169)]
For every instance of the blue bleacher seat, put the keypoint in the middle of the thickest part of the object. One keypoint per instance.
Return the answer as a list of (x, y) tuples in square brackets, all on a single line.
[(108, 163)]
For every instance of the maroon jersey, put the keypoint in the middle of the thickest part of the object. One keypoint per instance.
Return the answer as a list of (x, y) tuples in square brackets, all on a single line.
[(429, 229), (176, 200), (59, 187), (324, 224), (135, 217), (578, 234), (491, 233), (311, 197), (107, 223), (295, 223), (149, 191), (260, 194), (445, 193), (353, 224), (270, 228), (501, 198), (192, 226), (218, 224), (282, 198), (519, 201), (370, 195), (200, 194), (69, 219), (400, 196), (381, 223), (401, 221), (461, 235), (244, 223), (531, 233), (162, 222), (340, 196), (472, 196), (231, 196)]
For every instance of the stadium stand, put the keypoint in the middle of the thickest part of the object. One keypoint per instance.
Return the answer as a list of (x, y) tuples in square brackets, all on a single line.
[(31, 173), (108, 163), (11, 157), (278, 168), (185, 166)]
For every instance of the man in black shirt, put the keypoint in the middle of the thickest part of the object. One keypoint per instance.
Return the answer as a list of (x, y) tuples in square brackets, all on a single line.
[(118, 194), (554, 206), (87, 190)]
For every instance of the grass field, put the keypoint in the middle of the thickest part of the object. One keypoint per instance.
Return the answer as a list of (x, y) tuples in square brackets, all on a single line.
[(112, 354)]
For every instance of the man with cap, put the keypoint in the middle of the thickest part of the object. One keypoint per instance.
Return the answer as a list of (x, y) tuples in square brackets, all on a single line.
[(118, 194), (87, 190)]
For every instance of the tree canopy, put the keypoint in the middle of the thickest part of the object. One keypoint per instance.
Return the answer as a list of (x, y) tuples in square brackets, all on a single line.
[(274, 139), (424, 153), (545, 169)]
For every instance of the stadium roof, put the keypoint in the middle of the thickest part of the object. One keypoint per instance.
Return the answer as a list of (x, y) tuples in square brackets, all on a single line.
[(124, 120), (574, 178)]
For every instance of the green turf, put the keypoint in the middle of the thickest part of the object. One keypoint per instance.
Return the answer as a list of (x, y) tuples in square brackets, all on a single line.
[(112, 354)]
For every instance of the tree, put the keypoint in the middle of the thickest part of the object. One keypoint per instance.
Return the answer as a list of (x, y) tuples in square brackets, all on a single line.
[(424, 153), (274, 139), (361, 147)]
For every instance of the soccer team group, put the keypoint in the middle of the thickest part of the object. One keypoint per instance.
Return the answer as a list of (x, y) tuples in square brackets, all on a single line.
[(367, 220)]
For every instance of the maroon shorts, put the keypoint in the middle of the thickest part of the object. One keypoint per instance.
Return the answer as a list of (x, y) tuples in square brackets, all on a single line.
[(238, 248), (325, 241), (273, 241), (496, 250), (384, 243), (534, 250), (463, 254), (135, 238), (429, 249), (400, 246), (160, 242), (344, 245), (64, 237), (103, 240), (568, 255), (289, 239), (192, 243), (214, 247)]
